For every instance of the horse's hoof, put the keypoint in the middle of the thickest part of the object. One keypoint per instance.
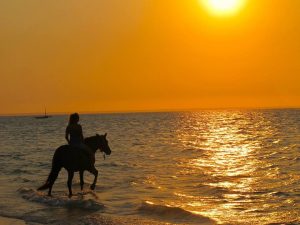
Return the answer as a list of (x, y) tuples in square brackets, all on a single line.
[(93, 187), (70, 195)]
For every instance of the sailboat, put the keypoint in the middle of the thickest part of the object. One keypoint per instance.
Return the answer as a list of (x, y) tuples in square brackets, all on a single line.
[(44, 116)]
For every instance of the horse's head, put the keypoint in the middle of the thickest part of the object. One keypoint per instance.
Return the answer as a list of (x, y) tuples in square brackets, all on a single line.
[(102, 144)]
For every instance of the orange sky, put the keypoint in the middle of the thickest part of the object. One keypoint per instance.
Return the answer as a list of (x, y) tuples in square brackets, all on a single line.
[(116, 55)]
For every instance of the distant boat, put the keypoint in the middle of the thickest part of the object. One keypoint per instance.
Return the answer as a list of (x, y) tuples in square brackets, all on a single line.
[(44, 116)]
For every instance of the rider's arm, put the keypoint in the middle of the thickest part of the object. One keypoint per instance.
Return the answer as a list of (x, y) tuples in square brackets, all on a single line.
[(67, 135), (81, 133)]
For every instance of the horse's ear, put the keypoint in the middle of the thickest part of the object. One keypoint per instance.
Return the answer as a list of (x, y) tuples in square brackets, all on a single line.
[(105, 134), (97, 135)]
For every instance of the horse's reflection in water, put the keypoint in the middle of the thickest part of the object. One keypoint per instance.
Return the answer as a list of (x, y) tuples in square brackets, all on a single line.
[(74, 160)]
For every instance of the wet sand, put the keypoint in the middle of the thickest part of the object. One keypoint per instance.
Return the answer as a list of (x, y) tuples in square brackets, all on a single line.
[(10, 221), (121, 220), (92, 220)]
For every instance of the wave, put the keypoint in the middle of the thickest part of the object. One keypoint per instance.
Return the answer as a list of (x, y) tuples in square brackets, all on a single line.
[(297, 159), (115, 165), (63, 201), (20, 171), (24, 180), (279, 194), (173, 213)]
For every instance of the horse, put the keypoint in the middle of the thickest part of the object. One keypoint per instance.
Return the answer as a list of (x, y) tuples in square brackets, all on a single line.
[(74, 160)]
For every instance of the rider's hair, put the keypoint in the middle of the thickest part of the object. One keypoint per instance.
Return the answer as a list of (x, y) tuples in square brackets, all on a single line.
[(74, 118)]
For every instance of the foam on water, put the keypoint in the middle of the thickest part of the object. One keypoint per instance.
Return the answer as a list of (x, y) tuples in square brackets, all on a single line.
[(62, 201)]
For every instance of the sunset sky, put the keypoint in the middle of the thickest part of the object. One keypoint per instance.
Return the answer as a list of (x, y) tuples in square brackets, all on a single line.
[(148, 55)]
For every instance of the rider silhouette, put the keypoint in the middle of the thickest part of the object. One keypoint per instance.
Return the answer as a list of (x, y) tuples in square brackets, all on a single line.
[(74, 135)]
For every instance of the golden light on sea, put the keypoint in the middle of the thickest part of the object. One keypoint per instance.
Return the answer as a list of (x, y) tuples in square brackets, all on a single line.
[(223, 7), (228, 166)]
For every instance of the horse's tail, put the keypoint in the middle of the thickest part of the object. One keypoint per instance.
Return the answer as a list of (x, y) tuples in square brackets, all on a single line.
[(56, 167)]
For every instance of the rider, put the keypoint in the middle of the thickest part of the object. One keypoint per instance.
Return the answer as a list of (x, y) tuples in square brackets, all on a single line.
[(74, 135)]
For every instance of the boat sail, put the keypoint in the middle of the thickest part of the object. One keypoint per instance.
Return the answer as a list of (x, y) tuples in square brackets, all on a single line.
[(45, 116)]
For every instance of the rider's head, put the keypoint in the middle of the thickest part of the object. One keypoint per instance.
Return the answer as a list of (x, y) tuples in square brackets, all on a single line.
[(74, 118)]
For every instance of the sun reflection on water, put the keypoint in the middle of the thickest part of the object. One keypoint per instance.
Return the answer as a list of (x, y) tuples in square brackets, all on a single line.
[(229, 165)]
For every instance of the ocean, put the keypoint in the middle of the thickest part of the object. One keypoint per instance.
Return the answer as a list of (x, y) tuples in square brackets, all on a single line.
[(202, 167)]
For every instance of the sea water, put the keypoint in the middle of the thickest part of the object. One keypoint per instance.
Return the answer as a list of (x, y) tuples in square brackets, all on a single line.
[(204, 167)]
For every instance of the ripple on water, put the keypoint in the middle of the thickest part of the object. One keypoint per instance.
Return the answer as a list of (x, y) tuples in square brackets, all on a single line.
[(77, 201)]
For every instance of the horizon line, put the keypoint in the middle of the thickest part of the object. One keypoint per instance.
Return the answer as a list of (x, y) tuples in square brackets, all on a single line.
[(148, 111)]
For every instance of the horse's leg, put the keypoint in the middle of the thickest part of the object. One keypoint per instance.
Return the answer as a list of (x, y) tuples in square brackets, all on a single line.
[(70, 178), (50, 189), (81, 179), (95, 172)]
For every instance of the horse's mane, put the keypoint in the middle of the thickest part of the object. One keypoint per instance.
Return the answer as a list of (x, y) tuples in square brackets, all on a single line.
[(90, 141)]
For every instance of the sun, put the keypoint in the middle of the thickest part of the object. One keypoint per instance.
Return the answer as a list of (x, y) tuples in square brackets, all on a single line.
[(223, 7)]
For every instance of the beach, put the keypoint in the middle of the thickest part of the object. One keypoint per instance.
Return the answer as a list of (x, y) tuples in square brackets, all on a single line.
[(95, 220), (10, 221), (87, 221)]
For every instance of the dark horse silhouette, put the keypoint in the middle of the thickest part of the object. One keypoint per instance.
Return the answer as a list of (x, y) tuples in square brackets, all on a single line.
[(74, 160)]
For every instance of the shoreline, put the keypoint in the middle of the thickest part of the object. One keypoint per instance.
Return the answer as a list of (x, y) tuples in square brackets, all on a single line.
[(101, 219), (90, 220)]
